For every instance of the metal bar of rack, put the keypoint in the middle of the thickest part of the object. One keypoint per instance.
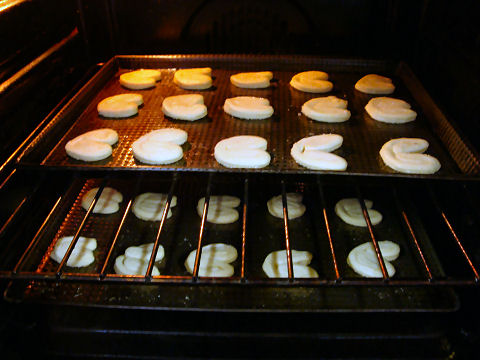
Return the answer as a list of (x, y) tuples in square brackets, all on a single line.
[(287, 234), (244, 228)]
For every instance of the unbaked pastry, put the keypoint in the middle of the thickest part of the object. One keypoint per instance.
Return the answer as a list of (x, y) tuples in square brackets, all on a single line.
[(363, 259), (184, 107), (160, 146), (248, 107), (221, 209), (350, 211), (193, 79), (150, 206), (120, 106), (215, 260), (82, 254), (136, 258), (314, 152), (242, 151), (140, 79), (294, 204), (107, 203), (276, 266), (312, 82), (390, 110), (327, 109), (252, 80), (93, 145), (406, 155), (375, 85)]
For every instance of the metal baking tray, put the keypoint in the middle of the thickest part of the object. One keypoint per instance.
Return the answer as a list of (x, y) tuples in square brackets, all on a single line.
[(265, 233), (363, 136)]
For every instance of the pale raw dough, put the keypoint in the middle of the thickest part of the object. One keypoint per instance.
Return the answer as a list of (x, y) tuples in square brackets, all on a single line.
[(248, 107), (82, 254), (120, 106), (221, 209), (149, 206), (363, 259), (140, 79), (314, 152), (406, 155), (294, 204), (350, 211), (375, 85), (160, 146), (184, 107), (276, 266), (242, 151), (136, 258), (107, 203), (93, 145), (193, 79), (252, 80), (215, 260), (327, 109), (312, 82), (390, 110)]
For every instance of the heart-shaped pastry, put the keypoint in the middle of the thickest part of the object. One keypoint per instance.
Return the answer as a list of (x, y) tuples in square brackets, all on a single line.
[(136, 258), (184, 107), (107, 203), (350, 211), (140, 79), (150, 206), (82, 254), (193, 79), (221, 209), (390, 110), (215, 260), (120, 106), (406, 155), (160, 147), (93, 145), (248, 107), (252, 80), (375, 85), (326, 109), (312, 82), (242, 151), (363, 259), (294, 206), (314, 152), (275, 264)]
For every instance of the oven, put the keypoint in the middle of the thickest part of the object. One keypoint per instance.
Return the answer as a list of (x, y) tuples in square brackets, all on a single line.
[(68, 56)]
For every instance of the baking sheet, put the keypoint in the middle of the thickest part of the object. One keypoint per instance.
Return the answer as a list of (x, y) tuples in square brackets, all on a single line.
[(363, 136)]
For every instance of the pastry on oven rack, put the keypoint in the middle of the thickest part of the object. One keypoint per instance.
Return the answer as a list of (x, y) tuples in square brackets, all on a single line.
[(275, 264), (160, 147), (248, 107), (242, 151), (120, 106), (107, 203), (328, 109), (294, 205), (93, 145), (215, 261), (136, 258), (193, 79), (252, 80), (82, 254), (314, 152), (221, 209), (375, 85), (188, 107), (390, 110), (350, 211), (363, 259), (406, 155), (312, 82), (140, 79), (150, 206)]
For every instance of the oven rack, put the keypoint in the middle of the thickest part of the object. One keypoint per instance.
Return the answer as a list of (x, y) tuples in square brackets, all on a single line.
[(102, 276)]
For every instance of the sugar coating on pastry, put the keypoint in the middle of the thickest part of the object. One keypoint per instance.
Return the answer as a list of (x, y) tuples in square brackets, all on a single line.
[(375, 85), (193, 79), (107, 203), (140, 79), (150, 206), (136, 258), (350, 211), (221, 209), (406, 155), (390, 110), (184, 107), (295, 206), (82, 254), (363, 259), (120, 106), (93, 145), (275, 264), (327, 109), (252, 80), (314, 152), (312, 82), (160, 147), (248, 107), (244, 151), (215, 260)]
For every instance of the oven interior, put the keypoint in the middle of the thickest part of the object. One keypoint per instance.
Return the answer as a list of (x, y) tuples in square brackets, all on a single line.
[(428, 310)]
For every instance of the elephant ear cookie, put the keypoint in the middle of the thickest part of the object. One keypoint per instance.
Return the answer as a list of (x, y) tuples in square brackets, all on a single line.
[(314, 152), (107, 203), (242, 151), (252, 80), (140, 79), (375, 85), (363, 259), (82, 254), (326, 109), (184, 107), (120, 106), (193, 79), (390, 110), (215, 261), (93, 145), (312, 82), (160, 147), (248, 107), (350, 211), (275, 265)]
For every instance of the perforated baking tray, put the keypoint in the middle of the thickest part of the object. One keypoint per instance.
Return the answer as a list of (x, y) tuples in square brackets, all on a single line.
[(363, 136)]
